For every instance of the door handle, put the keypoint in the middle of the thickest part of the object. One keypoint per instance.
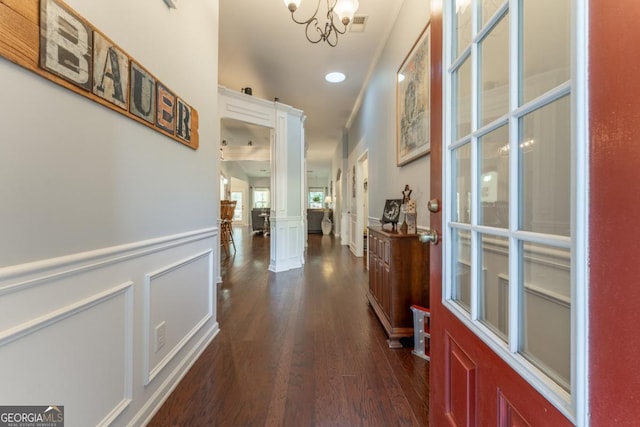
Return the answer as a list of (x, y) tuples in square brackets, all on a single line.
[(429, 237)]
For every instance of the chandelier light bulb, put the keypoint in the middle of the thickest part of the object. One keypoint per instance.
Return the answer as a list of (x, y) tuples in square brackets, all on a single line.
[(292, 5), (345, 9)]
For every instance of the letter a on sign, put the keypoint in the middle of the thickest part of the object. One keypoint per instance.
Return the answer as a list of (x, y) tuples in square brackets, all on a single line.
[(65, 44), (110, 71)]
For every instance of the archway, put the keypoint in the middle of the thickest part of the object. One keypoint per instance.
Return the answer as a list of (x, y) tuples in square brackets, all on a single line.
[(286, 126)]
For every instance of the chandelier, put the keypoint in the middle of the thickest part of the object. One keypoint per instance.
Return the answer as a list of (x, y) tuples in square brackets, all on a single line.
[(343, 9)]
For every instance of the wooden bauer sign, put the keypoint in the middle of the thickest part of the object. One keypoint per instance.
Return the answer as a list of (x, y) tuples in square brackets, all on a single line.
[(52, 40)]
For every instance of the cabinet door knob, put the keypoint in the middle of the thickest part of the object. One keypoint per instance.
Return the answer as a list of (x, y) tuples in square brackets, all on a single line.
[(429, 237), (433, 205)]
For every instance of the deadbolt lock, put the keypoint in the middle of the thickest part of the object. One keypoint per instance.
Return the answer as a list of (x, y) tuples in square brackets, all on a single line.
[(433, 205)]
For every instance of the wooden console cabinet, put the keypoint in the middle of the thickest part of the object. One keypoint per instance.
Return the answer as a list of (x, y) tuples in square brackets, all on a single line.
[(398, 278)]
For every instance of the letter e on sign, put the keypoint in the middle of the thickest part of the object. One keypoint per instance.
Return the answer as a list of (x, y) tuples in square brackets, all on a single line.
[(165, 114), (65, 44)]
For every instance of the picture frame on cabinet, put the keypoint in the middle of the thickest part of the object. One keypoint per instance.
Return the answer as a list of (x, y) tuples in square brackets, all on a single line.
[(391, 212)]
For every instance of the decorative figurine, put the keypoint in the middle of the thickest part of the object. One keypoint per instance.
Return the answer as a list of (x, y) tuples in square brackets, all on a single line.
[(406, 200), (406, 194)]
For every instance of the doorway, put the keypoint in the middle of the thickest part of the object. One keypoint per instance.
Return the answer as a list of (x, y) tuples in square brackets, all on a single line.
[(245, 163), (359, 204), (285, 153)]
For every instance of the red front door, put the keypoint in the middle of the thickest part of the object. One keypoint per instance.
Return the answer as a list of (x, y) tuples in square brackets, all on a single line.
[(614, 209), (503, 168)]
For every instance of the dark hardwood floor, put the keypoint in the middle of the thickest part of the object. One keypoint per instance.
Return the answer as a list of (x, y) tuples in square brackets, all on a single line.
[(298, 348)]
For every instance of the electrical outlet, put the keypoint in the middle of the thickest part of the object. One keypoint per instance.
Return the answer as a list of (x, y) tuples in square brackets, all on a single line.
[(161, 336)]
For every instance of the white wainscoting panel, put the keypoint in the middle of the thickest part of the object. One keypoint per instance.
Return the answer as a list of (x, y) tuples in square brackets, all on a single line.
[(184, 288), (75, 330), (79, 356), (286, 249), (75, 275)]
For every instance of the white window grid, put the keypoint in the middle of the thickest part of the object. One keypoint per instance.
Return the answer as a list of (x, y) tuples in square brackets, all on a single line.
[(573, 404)]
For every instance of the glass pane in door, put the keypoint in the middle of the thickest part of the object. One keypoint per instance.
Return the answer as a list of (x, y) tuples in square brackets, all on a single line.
[(463, 26), (494, 284), (545, 169), (546, 289), (494, 73), (494, 179), (462, 88), (488, 8), (462, 183), (462, 91), (546, 46), (461, 265)]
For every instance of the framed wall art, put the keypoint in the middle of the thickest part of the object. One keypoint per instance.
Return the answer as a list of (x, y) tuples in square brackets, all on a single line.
[(413, 138)]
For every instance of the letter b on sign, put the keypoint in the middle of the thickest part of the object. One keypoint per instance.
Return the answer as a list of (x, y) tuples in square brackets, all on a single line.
[(65, 44)]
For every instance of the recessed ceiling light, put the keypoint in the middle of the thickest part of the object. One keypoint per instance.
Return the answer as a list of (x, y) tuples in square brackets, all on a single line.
[(335, 77)]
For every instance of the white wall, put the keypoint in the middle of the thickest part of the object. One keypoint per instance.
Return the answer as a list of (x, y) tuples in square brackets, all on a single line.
[(232, 169), (260, 182), (375, 122), (104, 221)]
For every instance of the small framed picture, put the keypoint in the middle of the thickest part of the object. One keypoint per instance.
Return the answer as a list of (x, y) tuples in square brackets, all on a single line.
[(391, 212)]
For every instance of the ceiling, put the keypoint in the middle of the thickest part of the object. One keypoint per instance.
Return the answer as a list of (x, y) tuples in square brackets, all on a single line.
[(262, 48)]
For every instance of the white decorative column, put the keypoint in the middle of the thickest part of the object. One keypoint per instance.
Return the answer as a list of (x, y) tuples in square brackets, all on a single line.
[(287, 178), (287, 170)]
